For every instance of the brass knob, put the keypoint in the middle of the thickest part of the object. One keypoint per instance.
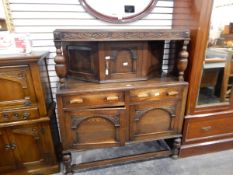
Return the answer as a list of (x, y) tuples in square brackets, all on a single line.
[(26, 115), (16, 115), (7, 147), (112, 98), (76, 100), (13, 146)]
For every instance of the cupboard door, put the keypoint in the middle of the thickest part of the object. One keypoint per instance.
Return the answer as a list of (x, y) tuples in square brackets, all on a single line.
[(154, 120), (123, 60), (16, 88), (94, 128), (7, 160), (28, 144)]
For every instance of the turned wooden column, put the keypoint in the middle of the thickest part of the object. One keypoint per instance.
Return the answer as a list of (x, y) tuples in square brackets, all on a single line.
[(60, 61), (183, 60)]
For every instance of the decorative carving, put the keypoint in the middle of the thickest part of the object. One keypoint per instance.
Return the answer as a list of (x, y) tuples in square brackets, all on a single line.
[(34, 131), (60, 61), (183, 60), (87, 35), (76, 120), (17, 76), (139, 113), (176, 147)]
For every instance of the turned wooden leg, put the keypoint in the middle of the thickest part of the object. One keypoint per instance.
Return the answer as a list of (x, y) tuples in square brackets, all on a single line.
[(176, 148), (67, 162)]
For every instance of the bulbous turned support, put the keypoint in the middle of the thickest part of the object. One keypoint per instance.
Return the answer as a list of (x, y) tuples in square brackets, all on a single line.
[(67, 159), (59, 59), (176, 148), (183, 60)]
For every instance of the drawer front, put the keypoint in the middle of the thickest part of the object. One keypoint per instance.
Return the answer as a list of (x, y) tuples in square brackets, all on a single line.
[(95, 99), (155, 119), (18, 114), (141, 95), (16, 88), (93, 128), (209, 128)]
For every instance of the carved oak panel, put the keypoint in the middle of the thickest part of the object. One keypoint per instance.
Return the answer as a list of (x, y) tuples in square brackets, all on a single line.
[(151, 120), (94, 128), (16, 87)]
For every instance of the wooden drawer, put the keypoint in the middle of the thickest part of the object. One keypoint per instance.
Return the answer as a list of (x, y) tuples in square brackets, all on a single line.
[(94, 99), (141, 95), (93, 128), (18, 114), (155, 120), (209, 127)]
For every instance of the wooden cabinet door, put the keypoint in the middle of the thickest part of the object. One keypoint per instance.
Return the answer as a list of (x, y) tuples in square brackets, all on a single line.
[(28, 144), (16, 88), (123, 60), (7, 159), (154, 120), (94, 128)]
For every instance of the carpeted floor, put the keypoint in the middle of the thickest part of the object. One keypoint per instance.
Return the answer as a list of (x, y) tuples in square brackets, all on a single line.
[(220, 163)]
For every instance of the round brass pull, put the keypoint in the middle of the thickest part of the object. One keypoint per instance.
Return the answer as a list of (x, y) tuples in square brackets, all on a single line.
[(142, 95), (76, 100), (26, 115), (112, 98), (16, 115)]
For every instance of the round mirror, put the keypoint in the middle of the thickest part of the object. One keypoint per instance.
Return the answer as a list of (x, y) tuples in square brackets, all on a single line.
[(118, 11)]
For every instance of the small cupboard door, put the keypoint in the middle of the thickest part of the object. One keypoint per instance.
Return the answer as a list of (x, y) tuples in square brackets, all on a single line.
[(16, 88), (94, 128), (28, 144), (154, 120), (7, 159)]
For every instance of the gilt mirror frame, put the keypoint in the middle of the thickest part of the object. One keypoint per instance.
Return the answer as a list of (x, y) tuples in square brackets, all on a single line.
[(113, 19)]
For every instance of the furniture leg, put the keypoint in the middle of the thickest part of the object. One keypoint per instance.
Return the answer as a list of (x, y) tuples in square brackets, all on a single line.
[(67, 159), (176, 147)]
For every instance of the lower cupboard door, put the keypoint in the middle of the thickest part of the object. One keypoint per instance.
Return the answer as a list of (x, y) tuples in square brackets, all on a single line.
[(154, 120), (94, 128)]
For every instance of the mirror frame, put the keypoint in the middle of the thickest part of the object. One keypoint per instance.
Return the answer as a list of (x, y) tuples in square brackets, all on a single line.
[(112, 19), (201, 33)]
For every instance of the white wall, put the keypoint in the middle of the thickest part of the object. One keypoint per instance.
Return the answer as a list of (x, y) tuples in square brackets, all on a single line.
[(41, 17)]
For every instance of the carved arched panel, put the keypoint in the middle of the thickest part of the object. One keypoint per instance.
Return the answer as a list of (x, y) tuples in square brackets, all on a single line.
[(153, 120), (16, 87), (94, 128), (150, 120), (99, 130)]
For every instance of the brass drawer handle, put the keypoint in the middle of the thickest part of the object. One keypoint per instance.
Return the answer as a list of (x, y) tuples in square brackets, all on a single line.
[(76, 100), (155, 94), (142, 95), (172, 93), (112, 98), (206, 128)]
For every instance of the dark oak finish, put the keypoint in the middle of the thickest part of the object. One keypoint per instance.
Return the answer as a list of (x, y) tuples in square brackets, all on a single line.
[(115, 55), (113, 106), (26, 116)]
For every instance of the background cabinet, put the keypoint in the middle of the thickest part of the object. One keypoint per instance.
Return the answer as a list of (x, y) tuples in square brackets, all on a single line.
[(209, 105), (27, 127)]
